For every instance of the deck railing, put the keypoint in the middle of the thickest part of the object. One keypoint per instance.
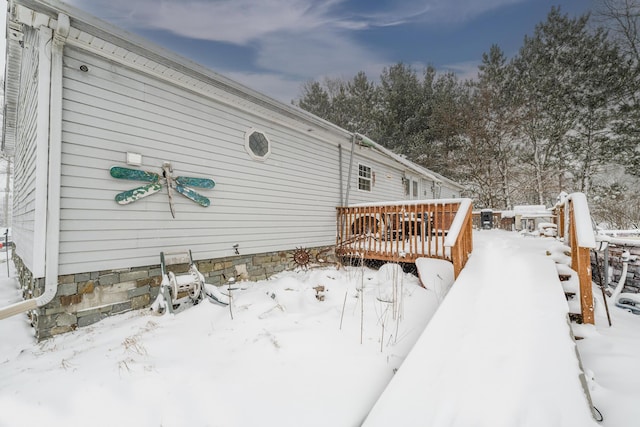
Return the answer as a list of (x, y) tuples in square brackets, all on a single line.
[(574, 226), (404, 231)]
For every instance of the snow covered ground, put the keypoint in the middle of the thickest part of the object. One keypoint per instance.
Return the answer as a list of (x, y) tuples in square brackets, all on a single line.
[(279, 356)]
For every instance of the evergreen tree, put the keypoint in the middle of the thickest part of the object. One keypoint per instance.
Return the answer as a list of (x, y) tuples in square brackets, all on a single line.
[(549, 120), (352, 105), (444, 100), (494, 124), (315, 100), (363, 106), (401, 99), (546, 74)]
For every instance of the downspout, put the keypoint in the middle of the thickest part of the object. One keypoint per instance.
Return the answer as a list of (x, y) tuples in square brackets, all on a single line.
[(353, 147), (340, 174), (53, 189)]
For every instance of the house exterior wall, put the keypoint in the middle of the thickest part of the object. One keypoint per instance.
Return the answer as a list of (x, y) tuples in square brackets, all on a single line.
[(281, 203), (120, 98), (449, 192), (387, 178), (286, 201)]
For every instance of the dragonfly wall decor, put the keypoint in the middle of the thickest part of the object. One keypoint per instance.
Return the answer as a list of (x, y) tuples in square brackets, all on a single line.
[(155, 181)]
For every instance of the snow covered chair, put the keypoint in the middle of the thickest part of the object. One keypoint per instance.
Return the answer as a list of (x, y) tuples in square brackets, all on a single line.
[(178, 289)]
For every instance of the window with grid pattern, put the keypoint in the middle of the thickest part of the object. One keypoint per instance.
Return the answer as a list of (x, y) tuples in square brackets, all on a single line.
[(364, 178)]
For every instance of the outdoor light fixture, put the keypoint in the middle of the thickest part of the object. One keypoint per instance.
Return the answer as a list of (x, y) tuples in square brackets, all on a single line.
[(134, 159)]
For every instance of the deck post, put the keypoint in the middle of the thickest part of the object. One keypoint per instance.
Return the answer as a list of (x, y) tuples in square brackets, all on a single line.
[(586, 293), (581, 263), (463, 246)]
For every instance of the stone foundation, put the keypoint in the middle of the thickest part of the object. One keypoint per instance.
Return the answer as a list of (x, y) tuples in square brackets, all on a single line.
[(85, 298)]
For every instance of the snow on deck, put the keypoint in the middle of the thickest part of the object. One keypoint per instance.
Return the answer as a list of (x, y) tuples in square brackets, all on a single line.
[(498, 351)]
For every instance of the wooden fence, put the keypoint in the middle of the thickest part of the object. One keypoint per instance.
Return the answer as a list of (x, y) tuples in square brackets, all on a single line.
[(404, 231)]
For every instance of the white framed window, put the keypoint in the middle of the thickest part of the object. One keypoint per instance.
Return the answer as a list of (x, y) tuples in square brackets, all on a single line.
[(414, 184), (257, 144), (365, 180)]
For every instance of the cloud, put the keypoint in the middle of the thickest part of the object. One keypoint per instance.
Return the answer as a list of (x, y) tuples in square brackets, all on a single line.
[(302, 39), (274, 85), (464, 70), (232, 21), (292, 40), (310, 54), (439, 12), (246, 21), (459, 11)]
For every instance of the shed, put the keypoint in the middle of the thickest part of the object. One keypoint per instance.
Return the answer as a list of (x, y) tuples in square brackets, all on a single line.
[(527, 217), (83, 96)]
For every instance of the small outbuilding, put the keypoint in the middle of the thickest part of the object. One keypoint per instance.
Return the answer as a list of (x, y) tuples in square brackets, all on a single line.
[(528, 217)]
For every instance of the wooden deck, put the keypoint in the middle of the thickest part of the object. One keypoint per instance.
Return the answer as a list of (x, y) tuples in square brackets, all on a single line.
[(404, 231)]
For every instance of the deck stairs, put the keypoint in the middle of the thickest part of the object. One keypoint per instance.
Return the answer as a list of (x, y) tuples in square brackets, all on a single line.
[(571, 287)]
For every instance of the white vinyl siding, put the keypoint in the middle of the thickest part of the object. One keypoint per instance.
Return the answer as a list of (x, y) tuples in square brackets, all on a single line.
[(448, 192), (388, 182), (281, 203), (24, 199)]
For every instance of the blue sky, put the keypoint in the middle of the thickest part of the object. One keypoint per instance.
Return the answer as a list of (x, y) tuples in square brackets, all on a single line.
[(274, 46)]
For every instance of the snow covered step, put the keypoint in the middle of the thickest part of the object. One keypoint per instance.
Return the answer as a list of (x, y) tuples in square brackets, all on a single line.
[(571, 286), (569, 280), (574, 306)]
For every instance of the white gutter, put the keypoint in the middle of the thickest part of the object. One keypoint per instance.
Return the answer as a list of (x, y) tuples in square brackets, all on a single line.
[(52, 205)]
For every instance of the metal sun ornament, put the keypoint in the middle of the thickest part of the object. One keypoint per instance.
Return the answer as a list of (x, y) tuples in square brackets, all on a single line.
[(156, 181), (301, 257)]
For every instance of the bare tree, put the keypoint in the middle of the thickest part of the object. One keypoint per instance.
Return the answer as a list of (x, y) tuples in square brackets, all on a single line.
[(622, 19)]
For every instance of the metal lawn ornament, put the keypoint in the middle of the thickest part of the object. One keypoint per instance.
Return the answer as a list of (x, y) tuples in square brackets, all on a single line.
[(155, 181)]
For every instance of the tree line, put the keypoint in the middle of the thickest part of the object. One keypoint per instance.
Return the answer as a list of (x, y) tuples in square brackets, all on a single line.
[(563, 114)]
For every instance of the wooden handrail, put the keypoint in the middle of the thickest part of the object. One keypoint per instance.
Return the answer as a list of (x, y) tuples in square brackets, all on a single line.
[(463, 244), (404, 231), (574, 220)]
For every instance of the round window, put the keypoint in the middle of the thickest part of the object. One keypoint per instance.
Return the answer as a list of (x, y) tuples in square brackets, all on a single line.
[(257, 144)]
